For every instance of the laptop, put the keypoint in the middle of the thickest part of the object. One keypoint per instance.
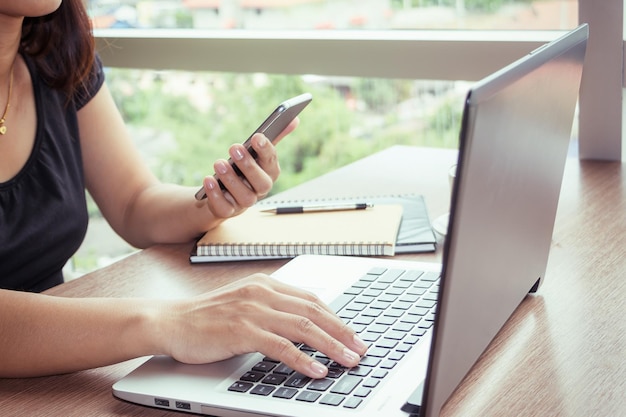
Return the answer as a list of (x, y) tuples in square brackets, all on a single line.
[(426, 323)]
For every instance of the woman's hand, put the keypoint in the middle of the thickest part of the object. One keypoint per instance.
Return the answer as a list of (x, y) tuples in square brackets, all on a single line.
[(259, 176), (257, 314)]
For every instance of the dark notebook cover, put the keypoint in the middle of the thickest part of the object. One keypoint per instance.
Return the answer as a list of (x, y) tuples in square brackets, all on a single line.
[(416, 233)]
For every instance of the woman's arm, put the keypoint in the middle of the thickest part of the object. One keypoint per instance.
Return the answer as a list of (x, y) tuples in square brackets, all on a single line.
[(44, 335), (145, 211)]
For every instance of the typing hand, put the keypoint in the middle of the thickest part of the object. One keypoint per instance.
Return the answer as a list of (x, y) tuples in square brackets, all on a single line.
[(257, 314)]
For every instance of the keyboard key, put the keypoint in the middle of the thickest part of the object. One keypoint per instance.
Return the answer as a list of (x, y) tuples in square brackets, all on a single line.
[(370, 383), (348, 314), (332, 399), (409, 298), (404, 348), (411, 319), (431, 276), (274, 379), (359, 328), (340, 302), (425, 324), (263, 390), (363, 320), (298, 380), (390, 276), (240, 386), (395, 335), (377, 270), (393, 312), (352, 402), (364, 299), (418, 311), (387, 343), (379, 373), (418, 332), (395, 291), (386, 321), (425, 303), (308, 396), (388, 298), (354, 306), (370, 312), (264, 366), (369, 337), (411, 275), (402, 284), (379, 286), (431, 296), (377, 352), (402, 305), (369, 361), (346, 384), (380, 305), (320, 384), (359, 371), (334, 372), (252, 376), (352, 291), (362, 392), (418, 292), (370, 277), (377, 328), (286, 393), (283, 370), (372, 292)]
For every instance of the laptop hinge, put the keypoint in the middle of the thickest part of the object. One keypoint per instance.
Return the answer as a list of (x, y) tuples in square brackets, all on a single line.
[(414, 402)]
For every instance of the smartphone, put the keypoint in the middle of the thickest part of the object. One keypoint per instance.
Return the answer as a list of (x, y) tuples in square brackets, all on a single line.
[(275, 123)]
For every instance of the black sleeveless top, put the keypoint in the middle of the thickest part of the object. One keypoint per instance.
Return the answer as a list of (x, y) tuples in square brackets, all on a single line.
[(43, 211)]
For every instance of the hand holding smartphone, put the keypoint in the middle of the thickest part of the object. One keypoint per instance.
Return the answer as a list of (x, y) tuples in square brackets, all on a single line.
[(275, 123)]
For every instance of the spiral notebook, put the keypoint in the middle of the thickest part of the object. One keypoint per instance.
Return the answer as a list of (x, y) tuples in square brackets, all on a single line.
[(256, 234), (381, 230)]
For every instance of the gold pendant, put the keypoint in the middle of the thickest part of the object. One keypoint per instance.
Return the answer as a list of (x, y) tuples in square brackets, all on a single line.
[(3, 130)]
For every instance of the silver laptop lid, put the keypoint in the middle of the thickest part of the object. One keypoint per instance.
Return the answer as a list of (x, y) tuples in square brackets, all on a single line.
[(513, 145)]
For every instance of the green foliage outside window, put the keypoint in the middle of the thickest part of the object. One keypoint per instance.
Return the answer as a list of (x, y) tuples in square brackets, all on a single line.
[(343, 123)]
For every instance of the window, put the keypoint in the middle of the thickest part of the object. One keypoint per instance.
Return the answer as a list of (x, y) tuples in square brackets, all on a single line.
[(383, 65), (336, 14)]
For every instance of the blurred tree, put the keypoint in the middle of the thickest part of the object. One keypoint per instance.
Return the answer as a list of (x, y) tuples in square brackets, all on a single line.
[(338, 127)]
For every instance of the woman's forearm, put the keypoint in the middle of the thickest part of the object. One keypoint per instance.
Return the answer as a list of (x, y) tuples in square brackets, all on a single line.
[(166, 213), (45, 335)]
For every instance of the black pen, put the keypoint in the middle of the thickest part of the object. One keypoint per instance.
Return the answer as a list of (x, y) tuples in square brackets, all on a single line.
[(308, 209)]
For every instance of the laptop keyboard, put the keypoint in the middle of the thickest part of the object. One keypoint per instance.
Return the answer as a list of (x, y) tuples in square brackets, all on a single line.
[(390, 309)]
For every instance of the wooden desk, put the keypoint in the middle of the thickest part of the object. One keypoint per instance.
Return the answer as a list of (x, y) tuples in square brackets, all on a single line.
[(563, 353)]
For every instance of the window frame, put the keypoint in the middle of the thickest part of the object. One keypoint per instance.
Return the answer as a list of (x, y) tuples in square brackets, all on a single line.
[(413, 54)]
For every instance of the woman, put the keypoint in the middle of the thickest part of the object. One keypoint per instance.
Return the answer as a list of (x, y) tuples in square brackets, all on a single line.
[(60, 133)]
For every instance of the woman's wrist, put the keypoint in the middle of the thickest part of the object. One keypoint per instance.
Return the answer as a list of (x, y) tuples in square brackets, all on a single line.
[(149, 330)]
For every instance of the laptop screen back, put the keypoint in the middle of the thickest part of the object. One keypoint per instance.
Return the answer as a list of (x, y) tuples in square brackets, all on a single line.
[(514, 142)]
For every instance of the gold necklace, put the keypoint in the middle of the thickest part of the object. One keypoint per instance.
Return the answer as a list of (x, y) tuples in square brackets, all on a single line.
[(3, 128)]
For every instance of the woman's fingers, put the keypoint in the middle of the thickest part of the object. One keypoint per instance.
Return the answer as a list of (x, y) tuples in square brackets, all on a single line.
[(259, 314)]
